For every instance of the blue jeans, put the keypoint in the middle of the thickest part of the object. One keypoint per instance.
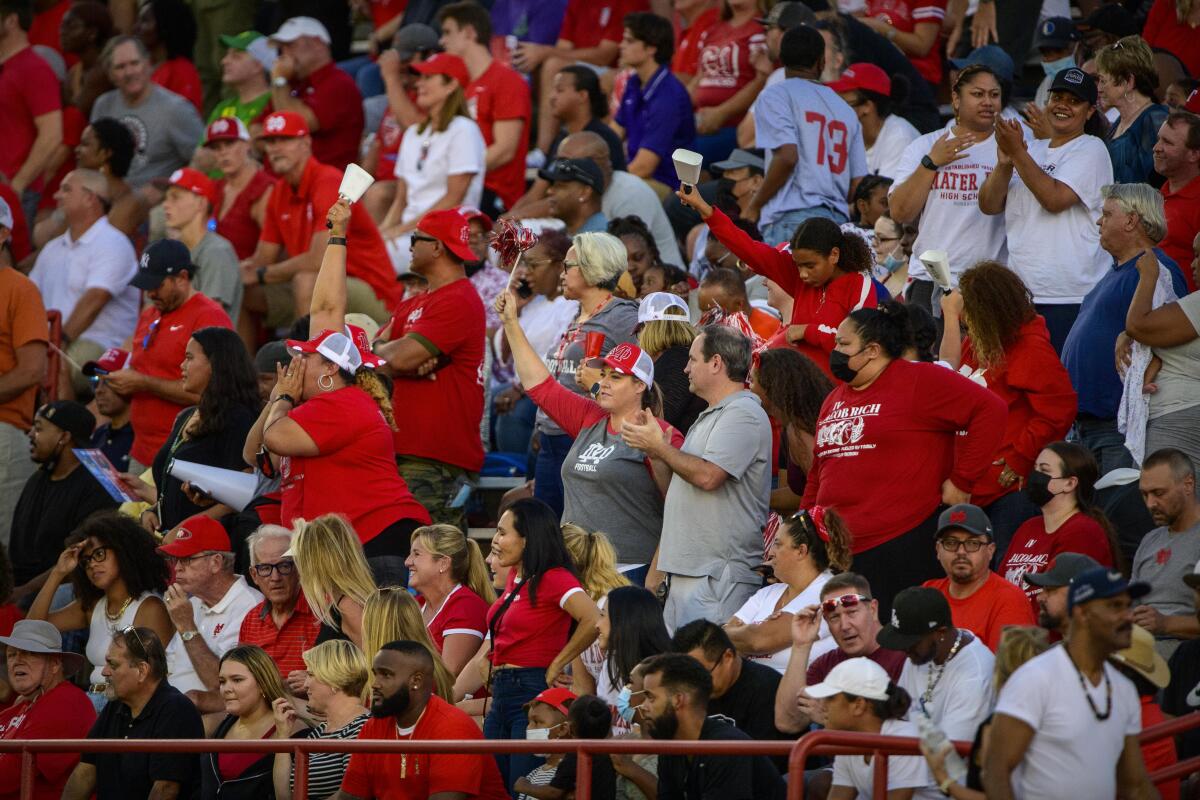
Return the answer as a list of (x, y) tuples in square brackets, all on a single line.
[(547, 470), (1059, 319), (784, 226), (514, 429), (506, 717), (1105, 441)]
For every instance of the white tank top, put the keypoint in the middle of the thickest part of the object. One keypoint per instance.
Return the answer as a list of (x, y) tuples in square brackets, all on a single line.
[(100, 637)]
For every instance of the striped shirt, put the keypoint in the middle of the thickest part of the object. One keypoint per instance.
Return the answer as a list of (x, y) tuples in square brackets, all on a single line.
[(284, 645), (325, 770)]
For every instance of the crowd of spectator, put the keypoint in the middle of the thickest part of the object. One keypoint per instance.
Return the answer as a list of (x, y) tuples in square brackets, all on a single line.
[(889, 422)]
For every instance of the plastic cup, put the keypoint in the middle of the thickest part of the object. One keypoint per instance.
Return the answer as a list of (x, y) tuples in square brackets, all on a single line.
[(593, 344)]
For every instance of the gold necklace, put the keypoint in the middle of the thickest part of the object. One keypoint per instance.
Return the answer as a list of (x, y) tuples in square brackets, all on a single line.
[(120, 611)]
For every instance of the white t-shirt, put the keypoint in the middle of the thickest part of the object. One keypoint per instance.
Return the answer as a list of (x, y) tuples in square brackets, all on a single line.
[(426, 160), (762, 605), (1069, 744), (1058, 256), (102, 258), (963, 696), (951, 220), (883, 157), (903, 772)]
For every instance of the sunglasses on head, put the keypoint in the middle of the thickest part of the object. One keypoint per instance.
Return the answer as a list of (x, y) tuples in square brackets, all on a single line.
[(131, 630), (846, 601)]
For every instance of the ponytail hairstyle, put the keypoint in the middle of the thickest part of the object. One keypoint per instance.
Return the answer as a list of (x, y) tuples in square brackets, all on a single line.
[(594, 558), (823, 235), (1079, 463), (466, 562), (895, 707), (824, 533), (372, 383), (887, 326)]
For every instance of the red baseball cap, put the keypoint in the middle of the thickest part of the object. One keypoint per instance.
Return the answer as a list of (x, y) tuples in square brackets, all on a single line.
[(197, 182), (363, 343), (197, 534), (445, 64), (450, 228), (474, 214), (628, 359), (556, 697), (865, 76), (283, 123), (114, 358), (223, 128)]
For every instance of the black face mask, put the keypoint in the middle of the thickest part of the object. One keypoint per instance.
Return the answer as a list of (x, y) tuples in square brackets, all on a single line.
[(839, 365), (1038, 488)]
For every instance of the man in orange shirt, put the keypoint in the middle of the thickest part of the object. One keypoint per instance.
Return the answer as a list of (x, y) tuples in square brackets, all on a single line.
[(980, 600), (23, 337)]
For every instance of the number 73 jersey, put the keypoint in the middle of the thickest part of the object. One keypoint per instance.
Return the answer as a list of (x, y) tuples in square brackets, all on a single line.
[(828, 140)]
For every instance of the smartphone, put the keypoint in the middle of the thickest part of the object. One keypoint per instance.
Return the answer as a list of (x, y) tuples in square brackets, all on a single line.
[(524, 290)]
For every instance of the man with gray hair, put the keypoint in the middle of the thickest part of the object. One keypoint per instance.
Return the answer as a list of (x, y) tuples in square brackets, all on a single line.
[(85, 274), (1131, 226), (165, 126), (717, 502), (210, 620)]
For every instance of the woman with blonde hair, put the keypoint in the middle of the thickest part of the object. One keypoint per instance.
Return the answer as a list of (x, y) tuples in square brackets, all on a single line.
[(448, 570), (441, 161), (1128, 82), (249, 685), (666, 334), (391, 614), (334, 575), (338, 677), (595, 559)]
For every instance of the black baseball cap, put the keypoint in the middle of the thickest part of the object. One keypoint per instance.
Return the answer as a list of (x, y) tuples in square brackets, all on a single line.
[(416, 38), (1077, 82), (1065, 567), (1111, 18), (583, 170), (72, 417), (161, 260), (915, 612), (964, 517), (787, 15)]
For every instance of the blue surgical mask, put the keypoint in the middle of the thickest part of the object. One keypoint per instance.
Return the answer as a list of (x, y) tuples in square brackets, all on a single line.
[(1052, 68), (623, 707), (894, 262)]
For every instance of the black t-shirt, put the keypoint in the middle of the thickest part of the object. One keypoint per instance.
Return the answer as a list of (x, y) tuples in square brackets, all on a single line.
[(920, 108), (616, 150), (680, 406), (1182, 695), (46, 514), (222, 449), (750, 701), (115, 444), (168, 715), (725, 777), (604, 777)]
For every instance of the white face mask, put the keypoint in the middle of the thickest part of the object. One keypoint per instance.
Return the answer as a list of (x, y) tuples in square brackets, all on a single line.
[(538, 735)]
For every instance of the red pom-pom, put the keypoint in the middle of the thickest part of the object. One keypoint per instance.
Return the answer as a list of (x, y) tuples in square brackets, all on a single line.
[(510, 239)]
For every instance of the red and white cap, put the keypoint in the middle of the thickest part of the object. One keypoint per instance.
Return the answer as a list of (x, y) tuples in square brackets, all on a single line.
[(197, 182), (450, 228), (363, 343), (226, 128), (337, 347), (471, 213), (283, 123), (627, 359), (113, 359), (197, 534)]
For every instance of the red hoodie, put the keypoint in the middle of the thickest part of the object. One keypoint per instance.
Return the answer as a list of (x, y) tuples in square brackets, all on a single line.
[(821, 308), (1041, 404), (882, 453)]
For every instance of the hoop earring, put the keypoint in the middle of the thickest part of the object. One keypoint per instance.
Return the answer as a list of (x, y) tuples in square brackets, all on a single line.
[(322, 385)]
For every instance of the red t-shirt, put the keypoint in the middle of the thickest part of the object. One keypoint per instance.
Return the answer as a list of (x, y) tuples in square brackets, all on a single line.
[(882, 453), (462, 612), (355, 473), (384, 11), (334, 99), (294, 214), (74, 123), (1163, 29), (1182, 209), (64, 712), (158, 345), (500, 93), (45, 27), (589, 22), (891, 660), (19, 242), (1160, 754), (377, 775), (238, 224), (389, 135), (438, 415), (284, 645), (994, 605), (28, 89), (180, 76), (687, 43), (904, 16), (1033, 550), (724, 62), (532, 634)]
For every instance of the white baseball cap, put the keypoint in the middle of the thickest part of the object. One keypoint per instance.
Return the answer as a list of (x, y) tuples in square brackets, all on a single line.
[(6, 217), (860, 677), (655, 307), (294, 28)]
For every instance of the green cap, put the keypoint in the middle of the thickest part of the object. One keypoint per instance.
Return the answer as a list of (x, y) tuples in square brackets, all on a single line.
[(241, 41)]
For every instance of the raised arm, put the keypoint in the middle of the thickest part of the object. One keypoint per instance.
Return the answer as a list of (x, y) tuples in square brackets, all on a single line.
[(1165, 326), (805, 628), (327, 309), (530, 368)]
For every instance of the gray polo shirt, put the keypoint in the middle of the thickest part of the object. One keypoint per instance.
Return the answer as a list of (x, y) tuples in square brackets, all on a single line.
[(705, 532), (217, 273)]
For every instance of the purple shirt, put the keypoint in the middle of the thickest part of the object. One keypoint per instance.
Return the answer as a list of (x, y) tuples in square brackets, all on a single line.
[(537, 21), (658, 118)]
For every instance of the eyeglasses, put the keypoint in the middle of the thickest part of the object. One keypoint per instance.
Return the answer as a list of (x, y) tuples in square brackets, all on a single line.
[(570, 264), (284, 568), (97, 556), (417, 237), (846, 601), (175, 561), (954, 545), (149, 337)]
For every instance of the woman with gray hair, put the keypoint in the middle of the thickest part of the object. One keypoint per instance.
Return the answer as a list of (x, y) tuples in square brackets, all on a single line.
[(590, 273)]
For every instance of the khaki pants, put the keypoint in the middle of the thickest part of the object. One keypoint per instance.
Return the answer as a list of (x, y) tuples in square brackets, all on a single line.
[(360, 299)]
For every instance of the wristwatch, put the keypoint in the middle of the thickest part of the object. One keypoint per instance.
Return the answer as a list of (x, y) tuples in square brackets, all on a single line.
[(928, 164), (187, 636), (944, 786), (261, 272), (279, 82)]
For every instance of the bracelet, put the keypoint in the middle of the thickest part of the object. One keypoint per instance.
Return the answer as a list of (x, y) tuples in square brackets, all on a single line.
[(285, 396), (261, 272), (944, 786), (338, 240), (891, 34)]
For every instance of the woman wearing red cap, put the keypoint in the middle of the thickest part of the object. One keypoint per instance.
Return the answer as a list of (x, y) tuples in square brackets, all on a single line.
[(607, 485), (441, 160), (328, 428), (244, 190)]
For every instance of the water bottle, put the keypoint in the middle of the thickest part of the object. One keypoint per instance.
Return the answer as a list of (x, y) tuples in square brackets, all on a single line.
[(935, 741)]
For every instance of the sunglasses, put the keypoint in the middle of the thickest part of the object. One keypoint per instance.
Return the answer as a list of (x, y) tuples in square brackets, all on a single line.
[(846, 601), (284, 568), (149, 337), (418, 237), (132, 631)]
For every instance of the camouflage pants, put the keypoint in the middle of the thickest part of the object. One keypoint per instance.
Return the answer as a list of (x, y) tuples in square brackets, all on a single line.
[(436, 486)]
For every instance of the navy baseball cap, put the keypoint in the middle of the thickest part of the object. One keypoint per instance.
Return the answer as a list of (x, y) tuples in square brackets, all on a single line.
[(991, 56), (1100, 584), (161, 260), (1056, 33)]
